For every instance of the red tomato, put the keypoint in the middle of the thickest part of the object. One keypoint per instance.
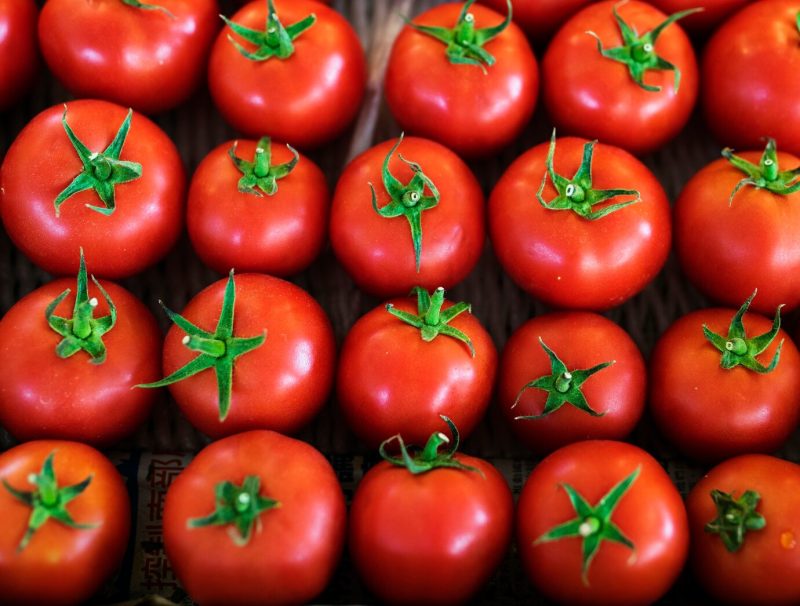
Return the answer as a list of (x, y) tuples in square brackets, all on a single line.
[(278, 234), (594, 96), (378, 252), (539, 18), (308, 98), (60, 564), (42, 162), (614, 393), (714, 11), (292, 546), (561, 257), (472, 109), (765, 567), (644, 557), (18, 49)]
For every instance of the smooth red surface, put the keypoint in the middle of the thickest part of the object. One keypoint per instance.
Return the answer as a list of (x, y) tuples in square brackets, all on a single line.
[(714, 11), (18, 49), (539, 19)]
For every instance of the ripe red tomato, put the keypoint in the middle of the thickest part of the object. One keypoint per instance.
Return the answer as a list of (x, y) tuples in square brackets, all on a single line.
[(278, 233), (279, 527), (613, 394), (379, 251), (561, 257), (714, 11), (765, 566), (626, 548), (59, 563), (474, 109), (18, 49), (594, 96), (43, 163), (539, 19), (306, 99)]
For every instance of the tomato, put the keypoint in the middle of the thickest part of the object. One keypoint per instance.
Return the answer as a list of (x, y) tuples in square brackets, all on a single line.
[(402, 365), (280, 232), (711, 412), (714, 11), (749, 78), (18, 49), (539, 18), (475, 108), (376, 242), (563, 249), (595, 96), (59, 562), (635, 534), (133, 224), (270, 510), (761, 495), (305, 99), (603, 397)]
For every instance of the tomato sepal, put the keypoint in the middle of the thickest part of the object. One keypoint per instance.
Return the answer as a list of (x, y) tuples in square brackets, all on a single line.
[(767, 174), (735, 517), (149, 7), (260, 174), (274, 41)]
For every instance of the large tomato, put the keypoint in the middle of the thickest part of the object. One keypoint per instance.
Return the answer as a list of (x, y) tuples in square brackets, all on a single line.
[(256, 518), (561, 248), (18, 49), (714, 11), (600, 522), (133, 224), (539, 18), (78, 501)]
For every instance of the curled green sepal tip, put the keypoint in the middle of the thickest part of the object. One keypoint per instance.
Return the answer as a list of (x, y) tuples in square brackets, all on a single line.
[(766, 175), (149, 7), (593, 524), (47, 500), (218, 350), (260, 175), (274, 41), (735, 517), (238, 506), (738, 350)]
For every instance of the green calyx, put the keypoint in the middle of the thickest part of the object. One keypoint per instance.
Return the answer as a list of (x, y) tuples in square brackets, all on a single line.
[(407, 200), (274, 41), (735, 517), (562, 386), (577, 194), (766, 175), (593, 524), (237, 506), (82, 331), (218, 350), (738, 350), (47, 500), (148, 7), (638, 52), (464, 41), (431, 319), (260, 175)]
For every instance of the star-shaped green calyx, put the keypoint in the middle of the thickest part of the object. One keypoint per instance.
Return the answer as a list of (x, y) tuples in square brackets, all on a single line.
[(431, 319), (593, 524), (47, 500), (148, 7), (464, 41), (102, 171), (238, 506), (766, 175), (218, 350), (274, 41), (407, 200), (577, 194), (562, 386), (735, 517), (738, 350), (638, 53), (260, 175), (82, 331)]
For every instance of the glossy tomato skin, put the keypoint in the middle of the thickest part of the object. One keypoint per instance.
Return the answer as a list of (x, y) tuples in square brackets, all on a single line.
[(651, 514), (766, 567), (19, 56), (390, 381), (61, 565), (294, 548), (711, 413), (592, 96), (305, 100), (568, 261), (45, 396), (432, 538), (714, 12), (539, 19), (471, 112), (280, 385), (138, 58), (41, 162), (581, 340), (279, 235), (377, 252)]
